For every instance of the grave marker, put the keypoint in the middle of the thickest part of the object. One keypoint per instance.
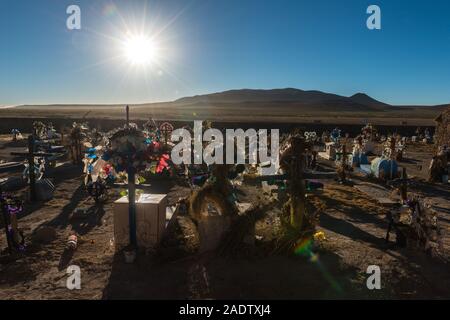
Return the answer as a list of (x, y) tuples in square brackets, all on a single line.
[(166, 130), (30, 155), (342, 163)]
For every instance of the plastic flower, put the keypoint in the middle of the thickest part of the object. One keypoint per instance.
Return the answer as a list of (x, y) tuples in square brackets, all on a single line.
[(319, 236), (162, 164)]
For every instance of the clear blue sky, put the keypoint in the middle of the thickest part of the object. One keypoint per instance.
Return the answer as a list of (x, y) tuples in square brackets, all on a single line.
[(216, 45)]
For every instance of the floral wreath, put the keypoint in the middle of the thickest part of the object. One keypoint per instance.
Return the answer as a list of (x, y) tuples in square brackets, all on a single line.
[(130, 147)]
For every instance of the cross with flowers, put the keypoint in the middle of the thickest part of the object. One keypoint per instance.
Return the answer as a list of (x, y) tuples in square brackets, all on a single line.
[(132, 150)]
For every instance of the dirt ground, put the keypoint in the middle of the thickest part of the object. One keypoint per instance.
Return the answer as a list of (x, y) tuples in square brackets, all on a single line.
[(354, 224)]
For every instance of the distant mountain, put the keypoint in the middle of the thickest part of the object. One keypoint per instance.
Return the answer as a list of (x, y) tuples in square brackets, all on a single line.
[(248, 105), (273, 95), (287, 97), (295, 102), (291, 97), (363, 98), (278, 95)]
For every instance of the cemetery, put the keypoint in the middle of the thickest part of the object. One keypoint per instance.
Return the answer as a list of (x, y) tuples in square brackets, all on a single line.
[(141, 226), (223, 151)]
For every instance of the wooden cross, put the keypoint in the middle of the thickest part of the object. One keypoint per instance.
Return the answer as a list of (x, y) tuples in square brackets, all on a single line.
[(132, 204), (343, 162), (30, 155), (128, 114), (402, 184), (343, 153), (131, 192), (404, 196), (292, 161)]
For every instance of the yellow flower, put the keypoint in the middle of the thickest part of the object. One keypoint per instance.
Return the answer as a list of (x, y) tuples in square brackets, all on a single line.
[(319, 236)]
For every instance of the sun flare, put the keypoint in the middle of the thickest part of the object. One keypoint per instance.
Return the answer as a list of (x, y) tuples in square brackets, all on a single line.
[(140, 50)]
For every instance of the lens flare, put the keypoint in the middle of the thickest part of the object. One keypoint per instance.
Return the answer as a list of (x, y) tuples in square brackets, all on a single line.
[(109, 10), (304, 248)]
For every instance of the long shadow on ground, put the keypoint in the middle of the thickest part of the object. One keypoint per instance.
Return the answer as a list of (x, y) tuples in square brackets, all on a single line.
[(200, 277), (349, 230)]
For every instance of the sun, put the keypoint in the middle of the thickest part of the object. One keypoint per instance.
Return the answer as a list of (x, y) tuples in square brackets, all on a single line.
[(140, 50)]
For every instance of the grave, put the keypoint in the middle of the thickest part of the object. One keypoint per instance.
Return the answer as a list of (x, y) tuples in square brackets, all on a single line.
[(10, 166), (417, 226), (211, 229), (77, 137), (45, 187), (359, 153), (359, 158), (12, 183), (343, 164), (330, 151), (137, 222), (384, 168), (369, 134), (379, 193), (150, 220)]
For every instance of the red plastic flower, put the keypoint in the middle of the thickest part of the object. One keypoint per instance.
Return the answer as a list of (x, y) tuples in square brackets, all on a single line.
[(162, 164)]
